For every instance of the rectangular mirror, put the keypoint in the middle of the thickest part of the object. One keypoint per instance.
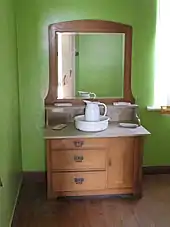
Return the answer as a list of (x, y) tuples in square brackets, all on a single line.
[(90, 65)]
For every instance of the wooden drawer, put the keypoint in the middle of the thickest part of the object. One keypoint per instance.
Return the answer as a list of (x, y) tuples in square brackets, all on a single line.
[(78, 181), (78, 159), (64, 144)]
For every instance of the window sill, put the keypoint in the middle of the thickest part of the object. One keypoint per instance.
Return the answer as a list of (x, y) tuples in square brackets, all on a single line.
[(164, 112), (153, 109)]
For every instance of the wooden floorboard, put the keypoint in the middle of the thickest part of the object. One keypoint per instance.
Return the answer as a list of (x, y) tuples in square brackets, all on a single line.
[(153, 210)]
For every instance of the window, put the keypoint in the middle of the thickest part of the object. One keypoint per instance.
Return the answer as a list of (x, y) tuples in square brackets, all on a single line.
[(162, 55), (66, 65), (60, 60)]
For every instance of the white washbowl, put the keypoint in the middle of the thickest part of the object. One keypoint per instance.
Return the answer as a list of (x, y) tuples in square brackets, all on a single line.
[(91, 126)]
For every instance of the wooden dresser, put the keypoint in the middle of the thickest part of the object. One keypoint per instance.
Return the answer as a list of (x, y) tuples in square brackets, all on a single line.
[(94, 166)]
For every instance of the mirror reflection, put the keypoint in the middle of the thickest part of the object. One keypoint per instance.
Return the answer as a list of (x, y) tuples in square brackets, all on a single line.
[(90, 65)]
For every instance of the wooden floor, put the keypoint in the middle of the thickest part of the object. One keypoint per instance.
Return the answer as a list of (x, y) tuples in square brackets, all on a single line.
[(153, 210)]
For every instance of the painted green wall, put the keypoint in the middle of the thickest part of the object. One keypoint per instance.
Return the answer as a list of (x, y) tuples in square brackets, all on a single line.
[(10, 153), (157, 148), (33, 18), (101, 64)]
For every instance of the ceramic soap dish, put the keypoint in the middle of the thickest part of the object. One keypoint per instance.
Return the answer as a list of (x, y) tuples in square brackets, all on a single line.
[(128, 125)]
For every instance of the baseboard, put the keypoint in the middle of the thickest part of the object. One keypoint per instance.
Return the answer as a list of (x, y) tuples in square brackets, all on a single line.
[(156, 170), (34, 176), (41, 176), (15, 203)]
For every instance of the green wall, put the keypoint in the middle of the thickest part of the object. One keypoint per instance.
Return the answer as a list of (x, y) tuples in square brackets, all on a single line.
[(10, 153), (101, 64), (33, 18), (157, 149)]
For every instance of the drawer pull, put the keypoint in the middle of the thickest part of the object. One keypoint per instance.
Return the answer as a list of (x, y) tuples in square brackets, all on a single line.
[(78, 158), (78, 143), (78, 180)]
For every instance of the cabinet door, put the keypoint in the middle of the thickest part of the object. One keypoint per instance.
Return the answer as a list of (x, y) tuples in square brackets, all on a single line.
[(121, 162)]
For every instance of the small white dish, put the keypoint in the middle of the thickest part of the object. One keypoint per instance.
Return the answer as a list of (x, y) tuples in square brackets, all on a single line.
[(91, 126), (124, 104), (128, 125)]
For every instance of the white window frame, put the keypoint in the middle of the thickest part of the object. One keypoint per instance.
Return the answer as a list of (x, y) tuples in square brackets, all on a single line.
[(162, 55)]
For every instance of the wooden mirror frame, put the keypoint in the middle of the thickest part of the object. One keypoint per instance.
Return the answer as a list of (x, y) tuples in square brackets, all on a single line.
[(88, 26)]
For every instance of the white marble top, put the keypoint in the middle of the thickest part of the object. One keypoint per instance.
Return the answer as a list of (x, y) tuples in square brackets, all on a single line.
[(113, 130)]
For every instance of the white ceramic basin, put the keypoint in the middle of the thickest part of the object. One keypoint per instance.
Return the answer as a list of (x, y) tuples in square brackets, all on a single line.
[(91, 126)]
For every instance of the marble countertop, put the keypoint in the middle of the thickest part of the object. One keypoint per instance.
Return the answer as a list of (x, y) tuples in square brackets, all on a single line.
[(113, 130)]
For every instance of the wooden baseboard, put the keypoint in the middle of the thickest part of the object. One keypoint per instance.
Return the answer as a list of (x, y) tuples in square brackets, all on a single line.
[(34, 176), (14, 211), (156, 170)]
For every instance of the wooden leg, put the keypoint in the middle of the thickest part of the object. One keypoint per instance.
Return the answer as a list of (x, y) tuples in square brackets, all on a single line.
[(138, 160), (137, 196), (51, 195)]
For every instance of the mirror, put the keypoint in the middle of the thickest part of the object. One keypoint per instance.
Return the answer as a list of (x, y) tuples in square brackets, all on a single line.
[(90, 65), (89, 59)]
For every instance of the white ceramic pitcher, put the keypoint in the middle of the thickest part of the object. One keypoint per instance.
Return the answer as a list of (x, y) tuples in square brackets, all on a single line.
[(92, 110)]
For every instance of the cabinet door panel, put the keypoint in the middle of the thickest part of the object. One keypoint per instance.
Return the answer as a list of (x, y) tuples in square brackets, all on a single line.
[(121, 162)]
